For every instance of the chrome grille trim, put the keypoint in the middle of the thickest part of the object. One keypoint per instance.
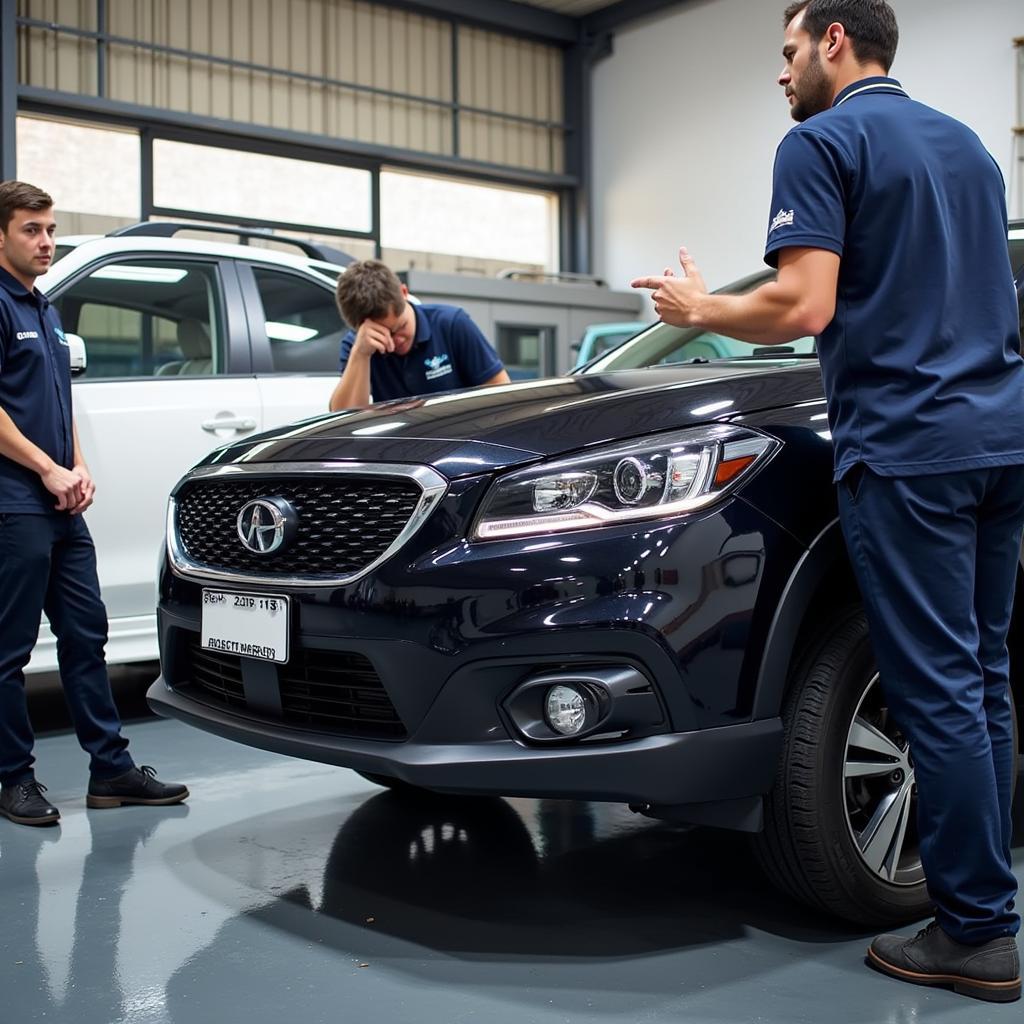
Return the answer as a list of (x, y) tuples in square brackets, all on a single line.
[(430, 482)]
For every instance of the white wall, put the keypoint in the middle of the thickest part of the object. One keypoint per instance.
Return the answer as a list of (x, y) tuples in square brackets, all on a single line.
[(687, 115)]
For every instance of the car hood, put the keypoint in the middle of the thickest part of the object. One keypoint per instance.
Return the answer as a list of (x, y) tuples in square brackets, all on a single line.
[(467, 432)]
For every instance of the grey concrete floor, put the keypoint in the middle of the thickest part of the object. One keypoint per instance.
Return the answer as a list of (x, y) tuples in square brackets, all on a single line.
[(292, 892)]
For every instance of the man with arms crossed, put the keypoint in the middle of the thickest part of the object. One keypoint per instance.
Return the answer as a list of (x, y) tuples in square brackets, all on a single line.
[(47, 559), (888, 230), (398, 349)]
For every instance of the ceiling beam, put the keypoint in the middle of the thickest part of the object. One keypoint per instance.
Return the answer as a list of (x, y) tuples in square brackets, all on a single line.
[(501, 15), (607, 19)]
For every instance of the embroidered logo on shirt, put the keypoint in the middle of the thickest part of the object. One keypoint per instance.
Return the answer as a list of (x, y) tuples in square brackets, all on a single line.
[(437, 366), (782, 219), (23, 335)]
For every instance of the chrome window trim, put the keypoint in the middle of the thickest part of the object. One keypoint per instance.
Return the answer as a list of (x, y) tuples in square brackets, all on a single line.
[(430, 482)]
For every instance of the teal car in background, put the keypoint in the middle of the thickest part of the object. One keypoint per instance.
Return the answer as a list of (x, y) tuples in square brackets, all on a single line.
[(599, 338)]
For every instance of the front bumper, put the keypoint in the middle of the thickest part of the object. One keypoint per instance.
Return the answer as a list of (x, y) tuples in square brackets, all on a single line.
[(703, 766)]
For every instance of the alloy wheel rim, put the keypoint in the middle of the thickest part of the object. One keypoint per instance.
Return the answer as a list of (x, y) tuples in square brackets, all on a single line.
[(880, 792)]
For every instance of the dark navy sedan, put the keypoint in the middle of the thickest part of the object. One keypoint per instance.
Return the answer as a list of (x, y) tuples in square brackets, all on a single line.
[(624, 585)]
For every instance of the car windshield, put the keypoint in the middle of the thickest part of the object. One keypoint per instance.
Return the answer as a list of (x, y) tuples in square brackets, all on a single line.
[(662, 345)]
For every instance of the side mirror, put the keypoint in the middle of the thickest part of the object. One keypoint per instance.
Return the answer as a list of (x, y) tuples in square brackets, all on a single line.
[(76, 350)]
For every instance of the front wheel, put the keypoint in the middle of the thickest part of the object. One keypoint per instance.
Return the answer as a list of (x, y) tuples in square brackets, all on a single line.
[(841, 821)]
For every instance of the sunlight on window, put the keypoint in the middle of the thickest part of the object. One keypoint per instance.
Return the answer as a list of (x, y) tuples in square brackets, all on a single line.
[(427, 214), (260, 187), (86, 169)]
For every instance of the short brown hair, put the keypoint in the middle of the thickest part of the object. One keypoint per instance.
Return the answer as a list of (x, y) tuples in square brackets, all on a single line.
[(18, 195), (369, 290), (870, 24)]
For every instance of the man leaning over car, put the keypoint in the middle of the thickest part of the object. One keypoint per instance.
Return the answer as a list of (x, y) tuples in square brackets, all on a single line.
[(888, 229), (47, 559), (399, 349)]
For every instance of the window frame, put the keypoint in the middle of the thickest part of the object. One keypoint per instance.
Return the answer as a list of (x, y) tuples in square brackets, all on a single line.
[(228, 300), (259, 344), (548, 345)]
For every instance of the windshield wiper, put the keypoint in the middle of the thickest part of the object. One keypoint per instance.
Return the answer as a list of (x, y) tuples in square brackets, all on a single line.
[(775, 351)]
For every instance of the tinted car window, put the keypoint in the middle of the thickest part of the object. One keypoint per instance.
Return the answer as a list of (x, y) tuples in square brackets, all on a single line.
[(608, 341), (598, 344), (303, 325), (146, 318)]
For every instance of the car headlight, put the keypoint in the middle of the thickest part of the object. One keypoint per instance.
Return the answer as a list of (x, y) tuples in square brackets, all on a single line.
[(648, 478)]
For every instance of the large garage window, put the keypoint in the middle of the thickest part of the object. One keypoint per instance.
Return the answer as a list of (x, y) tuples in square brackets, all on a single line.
[(91, 172), (450, 225), (259, 187)]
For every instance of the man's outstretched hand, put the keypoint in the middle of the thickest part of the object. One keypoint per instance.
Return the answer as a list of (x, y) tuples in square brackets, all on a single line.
[(677, 300)]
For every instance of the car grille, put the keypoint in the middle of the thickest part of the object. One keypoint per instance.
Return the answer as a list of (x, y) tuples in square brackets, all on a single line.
[(219, 676), (329, 691), (345, 523)]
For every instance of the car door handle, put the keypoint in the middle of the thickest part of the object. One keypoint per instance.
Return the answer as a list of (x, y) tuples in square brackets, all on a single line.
[(229, 423)]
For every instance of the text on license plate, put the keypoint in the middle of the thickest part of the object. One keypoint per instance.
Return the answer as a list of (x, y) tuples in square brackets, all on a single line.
[(249, 625)]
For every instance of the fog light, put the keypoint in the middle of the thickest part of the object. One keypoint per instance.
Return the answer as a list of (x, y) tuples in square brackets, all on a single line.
[(566, 710)]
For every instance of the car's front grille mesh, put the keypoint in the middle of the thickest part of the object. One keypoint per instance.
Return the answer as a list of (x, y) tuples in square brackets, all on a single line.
[(329, 691), (345, 523), (219, 675), (338, 691)]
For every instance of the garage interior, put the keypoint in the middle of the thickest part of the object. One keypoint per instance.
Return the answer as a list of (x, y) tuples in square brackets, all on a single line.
[(583, 137)]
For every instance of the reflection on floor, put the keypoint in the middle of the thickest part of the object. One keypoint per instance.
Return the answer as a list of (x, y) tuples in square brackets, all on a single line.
[(286, 891)]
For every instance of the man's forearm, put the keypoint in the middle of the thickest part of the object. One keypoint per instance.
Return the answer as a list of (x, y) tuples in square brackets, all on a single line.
[(354, 387), (769, 315), (16, 446), (79, 458), (800, 302)]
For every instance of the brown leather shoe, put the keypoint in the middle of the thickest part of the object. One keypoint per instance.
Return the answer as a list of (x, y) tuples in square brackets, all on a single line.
[(990, 971)]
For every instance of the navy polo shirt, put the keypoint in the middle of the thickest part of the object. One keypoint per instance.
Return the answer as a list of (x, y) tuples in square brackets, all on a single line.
[(921, 364), (35, 391), (448, 352)]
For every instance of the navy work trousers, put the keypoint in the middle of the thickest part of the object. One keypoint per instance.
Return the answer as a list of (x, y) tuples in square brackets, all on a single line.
[(48, 563), (936, 560)]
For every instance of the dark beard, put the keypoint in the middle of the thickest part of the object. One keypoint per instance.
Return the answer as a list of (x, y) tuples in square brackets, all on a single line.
[(815, 93)]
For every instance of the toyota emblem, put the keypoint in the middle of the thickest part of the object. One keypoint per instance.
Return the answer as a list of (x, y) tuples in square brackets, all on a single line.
[(265, 525)]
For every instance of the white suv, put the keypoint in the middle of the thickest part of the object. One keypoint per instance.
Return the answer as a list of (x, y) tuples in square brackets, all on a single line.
[(190, 344)]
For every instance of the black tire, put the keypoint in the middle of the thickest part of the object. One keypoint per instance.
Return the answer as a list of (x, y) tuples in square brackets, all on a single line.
[(808, 846)]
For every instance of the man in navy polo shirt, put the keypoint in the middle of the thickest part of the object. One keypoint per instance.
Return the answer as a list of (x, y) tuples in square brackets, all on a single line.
[(888, 229), (398, 349), (47, 559)]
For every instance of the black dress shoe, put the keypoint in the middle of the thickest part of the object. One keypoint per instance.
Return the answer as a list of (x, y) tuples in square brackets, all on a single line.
[(990, 971), (24, 803), (136, 786)]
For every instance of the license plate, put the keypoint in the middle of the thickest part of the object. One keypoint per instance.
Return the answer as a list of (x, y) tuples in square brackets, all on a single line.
[(249, 625)]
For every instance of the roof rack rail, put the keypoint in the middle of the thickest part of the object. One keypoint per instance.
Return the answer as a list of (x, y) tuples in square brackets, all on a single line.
[(168, 229), (512, 274)]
